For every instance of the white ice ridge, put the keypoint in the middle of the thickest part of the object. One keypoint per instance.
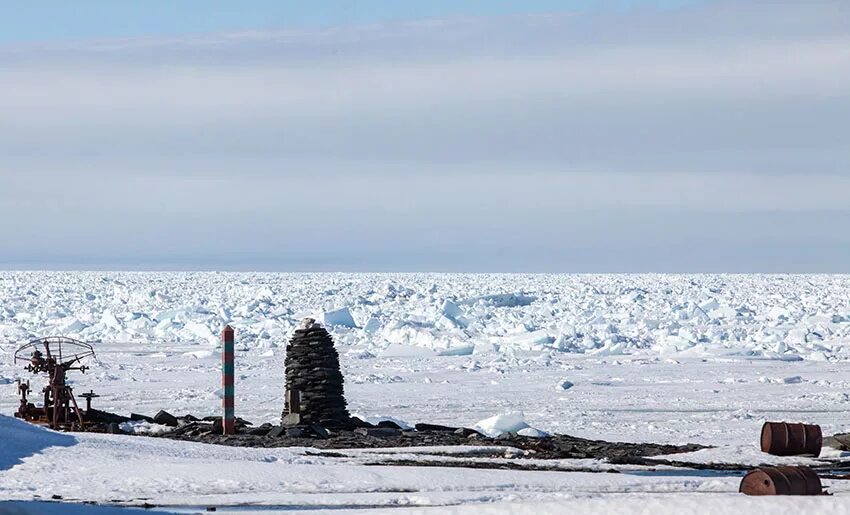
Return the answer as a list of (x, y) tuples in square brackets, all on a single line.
[(804, 317)]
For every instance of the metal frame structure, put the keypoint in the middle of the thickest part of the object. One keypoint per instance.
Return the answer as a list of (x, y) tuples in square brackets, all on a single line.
[(55, 356)]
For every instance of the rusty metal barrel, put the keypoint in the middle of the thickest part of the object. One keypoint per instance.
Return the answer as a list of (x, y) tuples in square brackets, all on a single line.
[(781, 481), (784, 439)]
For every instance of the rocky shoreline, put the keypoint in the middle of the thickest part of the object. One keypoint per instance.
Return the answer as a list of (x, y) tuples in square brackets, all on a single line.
[(388, 435)]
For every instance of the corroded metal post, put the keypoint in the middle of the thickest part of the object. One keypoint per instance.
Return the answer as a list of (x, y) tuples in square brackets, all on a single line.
[(228, 421)]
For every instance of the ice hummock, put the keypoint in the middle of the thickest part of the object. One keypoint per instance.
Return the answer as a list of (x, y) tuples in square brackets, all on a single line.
[(702, 316)]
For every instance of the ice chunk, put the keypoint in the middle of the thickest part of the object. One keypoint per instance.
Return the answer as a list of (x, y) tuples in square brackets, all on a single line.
[(509, 422), (340, 317), (459, 350), (817, 356), (534, 340), (533, 433), (507, 300), (485, 348), (144, 428), (200, 330), (452, 312), (450, 309), (200, 354), (110, 321), (73, 327), (709, 305), (793, 380), (359, 354), (372, 326)]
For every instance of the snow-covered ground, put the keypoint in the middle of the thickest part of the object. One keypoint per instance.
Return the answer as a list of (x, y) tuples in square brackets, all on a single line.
[(670, 359)]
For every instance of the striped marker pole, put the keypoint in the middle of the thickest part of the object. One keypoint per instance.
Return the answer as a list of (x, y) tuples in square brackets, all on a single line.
[(228, 422)]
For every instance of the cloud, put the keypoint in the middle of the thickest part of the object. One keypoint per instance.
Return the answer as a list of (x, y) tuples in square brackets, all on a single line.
[(447, 132)]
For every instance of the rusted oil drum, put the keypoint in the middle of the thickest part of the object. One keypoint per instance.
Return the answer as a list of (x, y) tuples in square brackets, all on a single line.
[(781, 481), (784, 439)]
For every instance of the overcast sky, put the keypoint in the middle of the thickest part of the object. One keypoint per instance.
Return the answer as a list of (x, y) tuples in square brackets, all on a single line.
[(655, 136)]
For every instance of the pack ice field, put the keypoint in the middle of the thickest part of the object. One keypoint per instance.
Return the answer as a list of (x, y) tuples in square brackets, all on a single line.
[(666, 359)]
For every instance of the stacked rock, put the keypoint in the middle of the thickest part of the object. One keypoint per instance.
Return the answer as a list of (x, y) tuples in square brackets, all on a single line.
[(314, 383)]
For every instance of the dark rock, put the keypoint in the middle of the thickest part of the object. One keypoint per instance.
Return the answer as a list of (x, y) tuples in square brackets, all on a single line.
[(277, 432), (320, 431), (262, 430), (332, 423), (165, 418), (114, 429), (357, 422), (434, 427), (378, 432), (465, 432), (840, 441), (95, 416), (140, 418), (389, 424), (296, 432)]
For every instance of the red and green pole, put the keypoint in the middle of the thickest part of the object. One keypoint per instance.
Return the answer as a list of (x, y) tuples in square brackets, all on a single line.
[(228, 422)]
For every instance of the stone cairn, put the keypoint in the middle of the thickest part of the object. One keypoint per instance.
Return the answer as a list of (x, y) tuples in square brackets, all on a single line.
[(314, 392)]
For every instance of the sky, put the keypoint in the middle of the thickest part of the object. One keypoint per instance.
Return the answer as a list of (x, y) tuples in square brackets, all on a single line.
[(478, 136), (40, 20)]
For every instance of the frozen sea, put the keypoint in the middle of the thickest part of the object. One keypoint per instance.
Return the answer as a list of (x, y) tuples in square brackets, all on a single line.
[(662, 358)]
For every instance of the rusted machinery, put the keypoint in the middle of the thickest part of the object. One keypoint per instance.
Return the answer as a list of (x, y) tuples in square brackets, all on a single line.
[(784, 439), (781, 481), (55, 356)]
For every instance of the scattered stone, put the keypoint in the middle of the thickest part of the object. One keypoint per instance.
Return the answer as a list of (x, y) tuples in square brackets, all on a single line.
[(565, 385), (358, 422), (434, 427), (135, 417), (379, 432), (165, 418), (103, 418), (295, 432), (840, 441), (335, 424), (262, 430), (553, 447), (320, 431), (277, 431)]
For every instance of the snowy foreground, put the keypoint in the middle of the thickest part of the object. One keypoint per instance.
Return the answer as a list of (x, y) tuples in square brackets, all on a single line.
[(667, 359)]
